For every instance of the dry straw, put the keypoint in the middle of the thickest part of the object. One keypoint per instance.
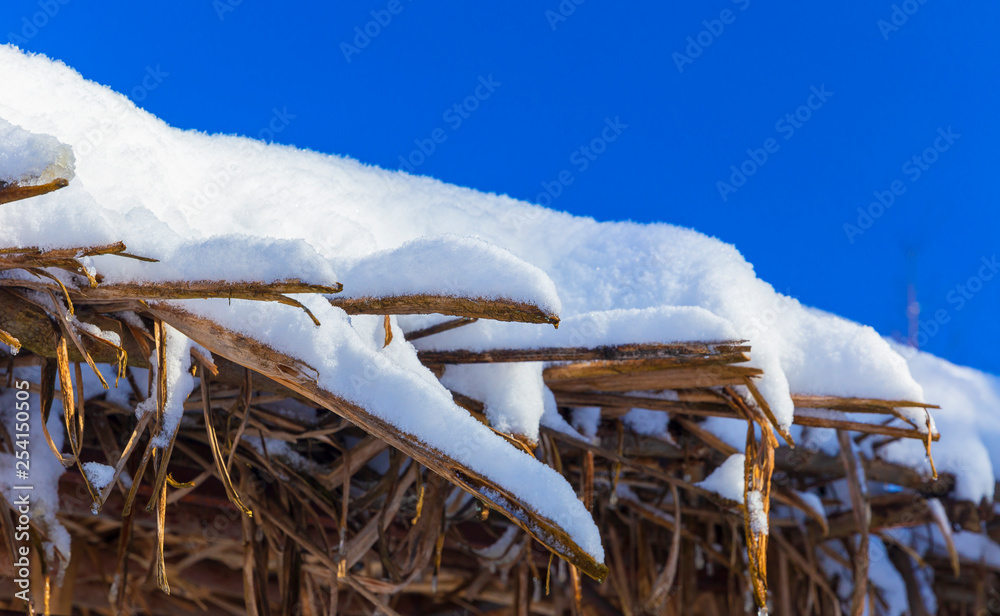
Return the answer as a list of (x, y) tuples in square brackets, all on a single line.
[(352, 516)]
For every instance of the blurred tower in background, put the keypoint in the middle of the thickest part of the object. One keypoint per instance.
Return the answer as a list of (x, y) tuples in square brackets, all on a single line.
[(912, 305)]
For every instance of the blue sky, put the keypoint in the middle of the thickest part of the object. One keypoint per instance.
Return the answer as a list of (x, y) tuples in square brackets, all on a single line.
[(766, 126)]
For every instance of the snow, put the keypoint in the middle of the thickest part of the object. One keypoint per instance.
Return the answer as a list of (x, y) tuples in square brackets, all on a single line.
[(940, 515), (512, 393), (180, 384), (349, 358), (552, 419), (974, 548), (732, 432), (728, 480), (227, 207), (625, 493), (756, 511), (155, 187), (515, 397), (28, 159), (500, 547), (279, 449), (884, 576), (96, 331), (647, 422), (969, 423), (233, 258), (99, 475), (814, 502), (450, 265), (586, 419)]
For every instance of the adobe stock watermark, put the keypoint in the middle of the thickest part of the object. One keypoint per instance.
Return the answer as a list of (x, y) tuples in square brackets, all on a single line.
[(958, 297), (899, 16), (713, 29), (364, 35), (454, 116), (279, 121), (150, 81), (31, 26), (563, 12), (21, 488), (581, 158), (225, 6), (913, 169), (786, 126)]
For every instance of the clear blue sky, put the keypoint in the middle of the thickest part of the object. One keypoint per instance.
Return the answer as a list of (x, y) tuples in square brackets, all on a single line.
[(889, 76)]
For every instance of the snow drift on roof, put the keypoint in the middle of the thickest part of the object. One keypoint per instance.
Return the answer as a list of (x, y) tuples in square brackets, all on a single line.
[(228, 206), (969, 423), (32, 159), (201, 185)]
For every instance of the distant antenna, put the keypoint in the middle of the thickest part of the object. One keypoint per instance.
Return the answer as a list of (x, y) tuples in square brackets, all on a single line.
[(912, 305)]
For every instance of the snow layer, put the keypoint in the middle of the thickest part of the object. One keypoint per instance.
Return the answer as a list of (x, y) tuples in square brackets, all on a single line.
[(228, 207), (881, 574), (586, 420), (969, 423), (755, 509), (551, 418), (449, 265), (512, 392), (974, 548), (647, 422), (814, 501), (26, 158), (885, 577), (99, 475), (728, 480), (280, 449), (500, 547), (349, 357), (196, 185), (180, 383)]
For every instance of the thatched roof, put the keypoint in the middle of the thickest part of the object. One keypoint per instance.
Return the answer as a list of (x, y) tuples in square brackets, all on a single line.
[(323, 463), (281, 517)]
